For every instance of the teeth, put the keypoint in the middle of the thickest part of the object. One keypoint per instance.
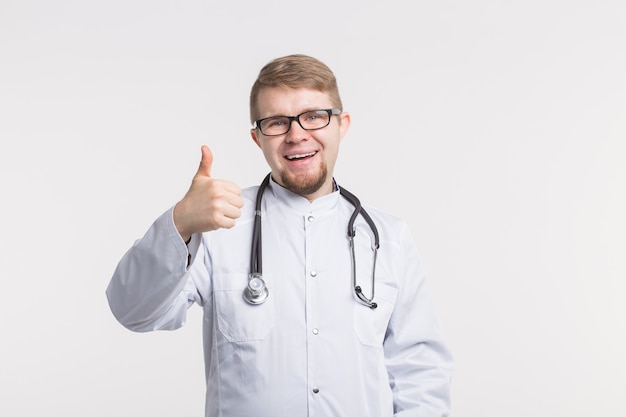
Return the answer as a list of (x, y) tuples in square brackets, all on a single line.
[(299, 156)]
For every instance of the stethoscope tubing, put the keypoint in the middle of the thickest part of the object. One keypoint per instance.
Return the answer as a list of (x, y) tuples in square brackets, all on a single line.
[(257, 292)]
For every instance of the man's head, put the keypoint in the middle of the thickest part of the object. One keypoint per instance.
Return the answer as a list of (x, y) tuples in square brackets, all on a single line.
[(302, 158)]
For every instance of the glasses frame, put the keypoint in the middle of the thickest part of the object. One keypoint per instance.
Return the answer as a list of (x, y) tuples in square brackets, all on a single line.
[(331, 112)]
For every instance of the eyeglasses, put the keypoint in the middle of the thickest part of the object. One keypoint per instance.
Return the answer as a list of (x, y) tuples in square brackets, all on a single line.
[(309, 120)]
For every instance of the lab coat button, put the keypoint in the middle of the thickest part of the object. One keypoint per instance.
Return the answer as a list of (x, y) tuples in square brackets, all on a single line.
[(310, 218), (316, 390), (316, 331), (313, 273)]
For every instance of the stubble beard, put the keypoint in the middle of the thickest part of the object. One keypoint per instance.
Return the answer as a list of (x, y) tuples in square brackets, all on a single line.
[(305, 184)]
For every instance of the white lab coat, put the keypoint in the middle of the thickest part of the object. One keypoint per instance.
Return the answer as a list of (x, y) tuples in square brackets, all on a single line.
[(311, 349)]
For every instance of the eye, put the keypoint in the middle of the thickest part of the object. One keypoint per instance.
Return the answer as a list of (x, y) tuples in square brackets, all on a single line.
[(314, 115), (275, 122)]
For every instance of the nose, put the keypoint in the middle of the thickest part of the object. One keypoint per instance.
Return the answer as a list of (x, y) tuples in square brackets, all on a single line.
[(296, 132)]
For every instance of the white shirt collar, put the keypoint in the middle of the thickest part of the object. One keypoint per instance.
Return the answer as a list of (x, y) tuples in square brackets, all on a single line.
[(302, 204)]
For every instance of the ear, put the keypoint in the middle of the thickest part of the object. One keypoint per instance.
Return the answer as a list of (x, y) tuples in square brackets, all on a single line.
[(344, 126), (255, 138)]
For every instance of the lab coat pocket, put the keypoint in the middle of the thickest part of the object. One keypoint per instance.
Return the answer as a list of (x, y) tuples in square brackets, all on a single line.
[(370, 325), (238, 320)]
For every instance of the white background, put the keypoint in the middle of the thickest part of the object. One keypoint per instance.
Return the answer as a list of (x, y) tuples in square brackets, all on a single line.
[(496, 129)]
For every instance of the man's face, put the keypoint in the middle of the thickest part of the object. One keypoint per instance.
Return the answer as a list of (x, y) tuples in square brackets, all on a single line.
[(301, 160)]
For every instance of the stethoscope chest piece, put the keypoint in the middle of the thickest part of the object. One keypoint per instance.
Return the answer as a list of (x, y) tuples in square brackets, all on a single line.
[(256, 292)]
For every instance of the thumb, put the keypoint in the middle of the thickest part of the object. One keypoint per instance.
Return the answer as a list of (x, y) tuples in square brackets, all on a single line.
[(204, 170)]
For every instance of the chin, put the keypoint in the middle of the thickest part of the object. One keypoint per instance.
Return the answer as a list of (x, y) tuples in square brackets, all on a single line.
[(304, 184)]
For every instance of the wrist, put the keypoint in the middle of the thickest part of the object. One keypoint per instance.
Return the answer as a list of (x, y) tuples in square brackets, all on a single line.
[(178, 223)]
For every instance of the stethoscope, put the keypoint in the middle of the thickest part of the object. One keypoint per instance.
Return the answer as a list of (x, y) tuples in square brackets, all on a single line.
[(256, 292)]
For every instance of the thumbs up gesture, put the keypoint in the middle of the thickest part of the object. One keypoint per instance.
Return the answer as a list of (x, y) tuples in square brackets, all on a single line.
[(209, 204)]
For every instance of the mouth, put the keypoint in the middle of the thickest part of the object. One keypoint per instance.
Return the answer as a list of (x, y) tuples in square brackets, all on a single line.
[(300, 156)]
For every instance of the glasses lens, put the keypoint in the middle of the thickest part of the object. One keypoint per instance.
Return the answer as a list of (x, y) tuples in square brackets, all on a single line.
[(275, 125), (314, 119)]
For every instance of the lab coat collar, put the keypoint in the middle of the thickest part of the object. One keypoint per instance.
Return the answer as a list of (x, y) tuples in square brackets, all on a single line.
[(300, 204)]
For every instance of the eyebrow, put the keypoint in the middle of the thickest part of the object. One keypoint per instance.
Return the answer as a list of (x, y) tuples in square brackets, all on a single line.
[(303, 111)]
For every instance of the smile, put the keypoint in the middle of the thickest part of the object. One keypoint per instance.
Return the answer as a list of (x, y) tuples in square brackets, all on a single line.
[(300, 156)]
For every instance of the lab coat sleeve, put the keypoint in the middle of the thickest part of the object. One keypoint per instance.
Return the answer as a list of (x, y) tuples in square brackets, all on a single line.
[(158, 279), (418, 362)]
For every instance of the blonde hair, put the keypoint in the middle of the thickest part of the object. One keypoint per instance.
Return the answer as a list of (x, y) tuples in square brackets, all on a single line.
[(295, 71)]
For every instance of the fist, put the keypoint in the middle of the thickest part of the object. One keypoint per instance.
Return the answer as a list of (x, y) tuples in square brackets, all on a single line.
[(210, 204)]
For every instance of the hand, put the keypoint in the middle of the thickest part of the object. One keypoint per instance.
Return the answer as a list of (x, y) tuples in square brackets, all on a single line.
[(209, 204)]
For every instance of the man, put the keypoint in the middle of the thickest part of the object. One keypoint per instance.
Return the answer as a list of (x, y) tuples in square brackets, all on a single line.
[(308, 334)]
